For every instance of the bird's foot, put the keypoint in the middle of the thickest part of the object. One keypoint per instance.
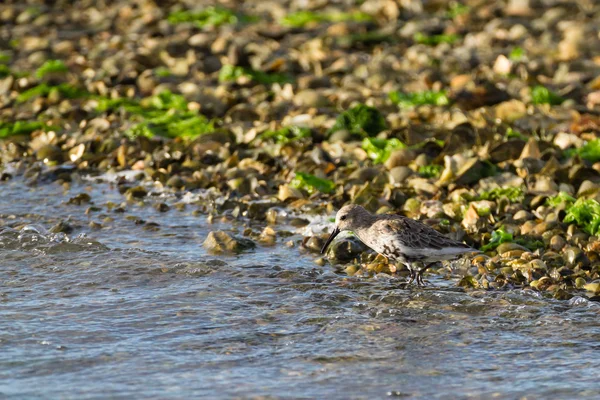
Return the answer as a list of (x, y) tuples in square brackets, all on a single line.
[(419, 280), (411, 278)]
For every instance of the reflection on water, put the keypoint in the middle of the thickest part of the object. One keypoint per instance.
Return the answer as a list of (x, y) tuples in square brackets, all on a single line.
[(126, 311)]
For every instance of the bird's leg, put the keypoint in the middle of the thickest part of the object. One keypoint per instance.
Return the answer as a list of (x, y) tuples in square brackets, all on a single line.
[(420, 274), (411, 270)]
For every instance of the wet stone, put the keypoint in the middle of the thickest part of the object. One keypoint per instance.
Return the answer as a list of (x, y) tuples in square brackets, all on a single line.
[(175, 182), (62, 227), (222, 242), (136, 192), (313, 243), (81, 198), (572, 254), (49, 153), (162, 207), (346, 249)]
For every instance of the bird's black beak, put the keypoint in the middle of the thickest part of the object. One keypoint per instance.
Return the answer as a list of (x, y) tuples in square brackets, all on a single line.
[(335, 232)]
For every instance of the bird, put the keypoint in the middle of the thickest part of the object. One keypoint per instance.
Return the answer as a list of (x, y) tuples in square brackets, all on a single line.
[(398, 238)]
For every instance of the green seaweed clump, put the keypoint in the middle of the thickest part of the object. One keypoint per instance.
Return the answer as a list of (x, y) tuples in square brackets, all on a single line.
[(148, 107), (457, 9), (559, 199), (499, 236), (21, 128), (232, 73), (51, 67), (586, 214), (300, 19), (187, 125), (165, 114), (543, 95), (379, 150), (165, 100), (513, 194), (514, 134), (210, 16), (4, 58), (287, 134), (590, 151), (64, 90), (312, 184), (4, 71), (430, 171), (431, 97), (434, 40), (516, 54), (360, 120)]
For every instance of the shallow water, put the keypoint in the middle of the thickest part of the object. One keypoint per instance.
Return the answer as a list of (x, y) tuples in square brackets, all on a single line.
[(129, 312)]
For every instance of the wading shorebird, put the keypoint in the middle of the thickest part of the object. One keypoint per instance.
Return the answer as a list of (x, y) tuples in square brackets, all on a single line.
[(398, 238)]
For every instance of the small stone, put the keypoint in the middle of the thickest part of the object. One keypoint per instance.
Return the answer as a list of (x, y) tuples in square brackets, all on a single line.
[(432, 208), (511, 110), (544, 226), (470, 172), (557, 242), (565, 140), (399, 175), (423, 186), (346, 249), (76, 152), (222, 242), (162, 207), (81, 198), (286, 192), (400, 158), (523, 215), (271, 216), (95, 225), (320, 261), (502, 65), (505, 247), (268, 236), (545, 184), (572, 254), (471, 219), (200, 40), (49, 153), (580, 283), (310, 98), (588, 188), (136, 192), (61, 227), (313, 243), (592, 287), (538, 264), (511, 253), (340, 136), (531, 150), (175, 182)]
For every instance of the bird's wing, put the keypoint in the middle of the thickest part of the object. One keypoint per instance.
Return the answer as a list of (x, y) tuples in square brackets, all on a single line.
[(416, 235)]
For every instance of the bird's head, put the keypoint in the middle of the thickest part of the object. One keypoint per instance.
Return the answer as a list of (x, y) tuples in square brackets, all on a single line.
[(348, 218)]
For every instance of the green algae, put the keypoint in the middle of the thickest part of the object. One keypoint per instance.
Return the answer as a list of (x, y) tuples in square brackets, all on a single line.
[(361, 120), (431, 97), (312, 183)]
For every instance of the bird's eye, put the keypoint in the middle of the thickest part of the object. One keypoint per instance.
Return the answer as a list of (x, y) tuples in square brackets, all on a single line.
[(343, 217)]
